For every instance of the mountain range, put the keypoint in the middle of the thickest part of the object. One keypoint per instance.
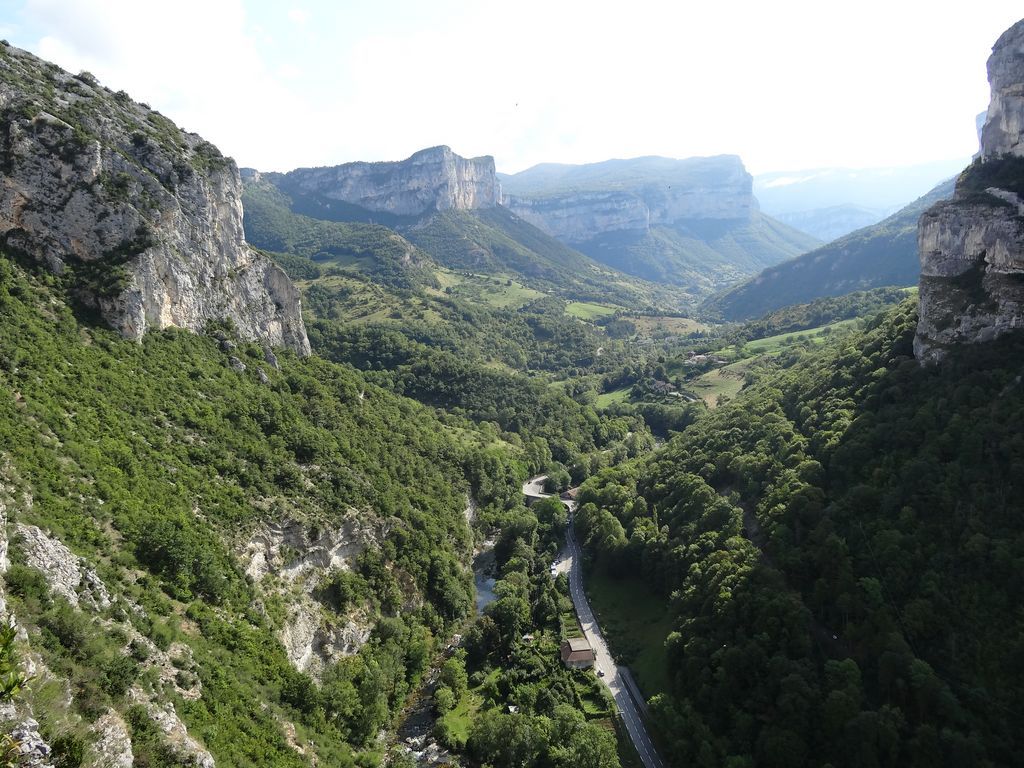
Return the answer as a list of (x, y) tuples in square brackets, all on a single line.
[(693, 223), (831, 202), (883, 254), (266, 442)]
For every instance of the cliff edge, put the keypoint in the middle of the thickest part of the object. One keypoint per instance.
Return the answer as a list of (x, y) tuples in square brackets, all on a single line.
[(972, 247), (578, 203), (434, 179), (143, 219)]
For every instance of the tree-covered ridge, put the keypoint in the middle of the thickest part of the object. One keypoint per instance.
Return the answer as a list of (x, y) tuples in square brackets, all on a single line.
[(377, 251), (830, 543), (883, 254), (700, 256), (813, 314), (156, 461)]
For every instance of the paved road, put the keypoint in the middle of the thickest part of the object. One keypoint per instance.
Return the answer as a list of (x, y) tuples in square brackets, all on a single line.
[(533, 489), (569, 561)]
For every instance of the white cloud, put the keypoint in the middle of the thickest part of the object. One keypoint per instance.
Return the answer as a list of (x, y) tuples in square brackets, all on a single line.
[(794, 84)]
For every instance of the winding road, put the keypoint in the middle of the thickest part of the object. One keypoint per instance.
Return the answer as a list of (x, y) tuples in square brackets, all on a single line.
[(628, 699)]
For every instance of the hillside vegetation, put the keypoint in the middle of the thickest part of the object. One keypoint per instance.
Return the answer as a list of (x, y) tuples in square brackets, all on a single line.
[(884, 254), (157, 462), (828, 543), (700, 256)]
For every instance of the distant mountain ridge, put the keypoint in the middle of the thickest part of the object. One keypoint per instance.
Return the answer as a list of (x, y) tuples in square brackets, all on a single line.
[(433, 179), (884, 254), (304, 215), (832, 222), (831, 202), (692, 222)]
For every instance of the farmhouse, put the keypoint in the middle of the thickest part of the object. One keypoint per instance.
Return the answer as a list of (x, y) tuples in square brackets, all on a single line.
[(577, 653)]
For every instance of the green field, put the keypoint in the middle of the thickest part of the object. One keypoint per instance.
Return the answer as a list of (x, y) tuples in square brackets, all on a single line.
[(727, 380), (658, 326), (498, 291), (460, 719), (584, 310), (636, 623), (771, 344), (615, 396)]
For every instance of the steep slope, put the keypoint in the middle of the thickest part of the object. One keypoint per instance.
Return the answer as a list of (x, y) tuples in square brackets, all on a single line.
[(880, 255), (445, 205), (838, 548), (972, 247), (384, 255), (692, 223), (701, 256), (266, 546), (832, 202), (146, 220)]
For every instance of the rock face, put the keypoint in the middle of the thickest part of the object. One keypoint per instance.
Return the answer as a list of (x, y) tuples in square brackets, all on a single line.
[(113, 745), (580, 206), (293, 560), (434, 179), (65, 573), (1004, 122), (972, 247), (147, 218)]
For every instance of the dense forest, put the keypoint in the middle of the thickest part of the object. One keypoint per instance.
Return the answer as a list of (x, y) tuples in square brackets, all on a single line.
[(156, 461), (829, 544)]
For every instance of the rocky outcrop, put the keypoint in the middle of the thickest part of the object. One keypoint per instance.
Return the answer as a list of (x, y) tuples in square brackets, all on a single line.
[(434, 179), (165, 718), (65, 573), (112, 747), (1004, 122), (314, 641), (146, 217), (32, 749), (576, 208), (293, 560), (972, 247), (294, 551)]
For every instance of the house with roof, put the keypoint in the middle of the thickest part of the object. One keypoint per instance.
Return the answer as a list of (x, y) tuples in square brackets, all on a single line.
[(577, 653)]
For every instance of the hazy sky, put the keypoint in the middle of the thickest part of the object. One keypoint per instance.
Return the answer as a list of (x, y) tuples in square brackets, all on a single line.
[(785, 84)]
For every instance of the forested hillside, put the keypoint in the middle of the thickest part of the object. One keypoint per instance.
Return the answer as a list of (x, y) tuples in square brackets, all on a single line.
[(829, 544), (399, 251), (160, 464), (884, 254), (700, 256), (196, 479)]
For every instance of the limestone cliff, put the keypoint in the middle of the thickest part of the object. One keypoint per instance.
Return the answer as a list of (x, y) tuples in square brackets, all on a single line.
[(578, 205), (972, 247), (143, 218), (434, 179)]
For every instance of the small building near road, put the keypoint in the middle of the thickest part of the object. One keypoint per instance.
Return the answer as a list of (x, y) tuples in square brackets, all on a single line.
[(577, 653)]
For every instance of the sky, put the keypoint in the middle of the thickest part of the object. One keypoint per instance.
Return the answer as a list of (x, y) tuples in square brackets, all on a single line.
[(787, 85)]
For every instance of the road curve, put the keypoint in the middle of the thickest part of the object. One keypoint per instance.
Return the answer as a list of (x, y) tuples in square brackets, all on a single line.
[(615, 677)]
